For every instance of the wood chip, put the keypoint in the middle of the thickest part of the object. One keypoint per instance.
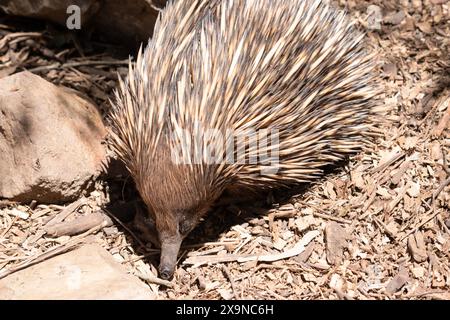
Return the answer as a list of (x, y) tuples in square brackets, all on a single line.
[(296, 250), (417, 248), (336, 241), (397, 282)]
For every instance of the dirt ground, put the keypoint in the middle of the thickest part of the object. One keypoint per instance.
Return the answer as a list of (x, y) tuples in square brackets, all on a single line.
[(377, 227)]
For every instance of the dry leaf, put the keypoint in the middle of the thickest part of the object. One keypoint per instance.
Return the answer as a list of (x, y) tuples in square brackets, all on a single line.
[(425, 27)]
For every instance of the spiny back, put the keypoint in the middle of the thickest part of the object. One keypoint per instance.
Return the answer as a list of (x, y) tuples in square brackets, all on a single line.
[(295, 65)]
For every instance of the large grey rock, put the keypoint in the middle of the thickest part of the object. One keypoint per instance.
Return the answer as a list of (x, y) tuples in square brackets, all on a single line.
[(129, 21), (53, 10), (118, 21), (89, 272), (50, 141)]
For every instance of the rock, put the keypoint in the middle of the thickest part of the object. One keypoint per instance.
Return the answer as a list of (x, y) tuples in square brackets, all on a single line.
[(118, 21), (129, 22), (53, 10), (50, 141), (89, 272)]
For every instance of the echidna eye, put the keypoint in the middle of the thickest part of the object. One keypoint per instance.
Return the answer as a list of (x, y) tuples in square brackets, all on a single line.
[(185, 226)]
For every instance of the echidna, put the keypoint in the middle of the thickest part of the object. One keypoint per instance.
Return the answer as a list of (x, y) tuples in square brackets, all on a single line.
[(294, 68)]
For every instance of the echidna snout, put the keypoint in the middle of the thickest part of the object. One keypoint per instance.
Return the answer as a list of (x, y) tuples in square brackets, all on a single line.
[(167, 239), (170, 246)]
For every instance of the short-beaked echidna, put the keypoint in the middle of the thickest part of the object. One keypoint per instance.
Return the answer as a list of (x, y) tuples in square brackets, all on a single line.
[(294, 68)]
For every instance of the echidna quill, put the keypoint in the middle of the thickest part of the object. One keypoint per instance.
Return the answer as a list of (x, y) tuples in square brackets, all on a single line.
[(239, 93)]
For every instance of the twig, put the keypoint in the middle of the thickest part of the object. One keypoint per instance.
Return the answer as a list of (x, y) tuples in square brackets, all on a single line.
[(208, 251), (370, 200), (384, 227), (9, 227), (79, 225), (427, 293), (153, 279), (10, 36), (383, 166), (432, 114), (94, 63), (286, 211), (326, 216), (420, 225), (230, 278), (67, 211), (393, 204), (152, 253), (323, 215), (78, 64), (210, 244), (45, 68), (213, 259), (444, 183)]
